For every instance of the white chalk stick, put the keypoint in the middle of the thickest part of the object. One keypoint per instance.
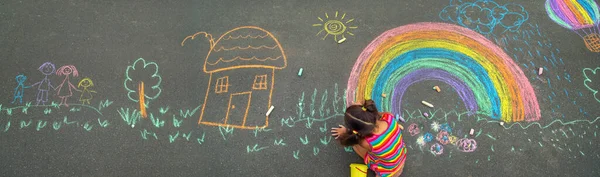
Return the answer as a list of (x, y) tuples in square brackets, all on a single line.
[(471, 132), (132, 125), (540, 71), (427, 104), (501, 123), (270, 109), (341, 40)]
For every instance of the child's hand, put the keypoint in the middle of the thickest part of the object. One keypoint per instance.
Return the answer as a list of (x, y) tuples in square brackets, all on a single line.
[(337, 132)]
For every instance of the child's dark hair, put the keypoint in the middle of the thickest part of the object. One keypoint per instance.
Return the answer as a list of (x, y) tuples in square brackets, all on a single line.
[(360, 122)]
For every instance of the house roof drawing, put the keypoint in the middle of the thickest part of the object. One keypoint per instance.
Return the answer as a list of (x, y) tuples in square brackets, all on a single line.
[(245, 47)]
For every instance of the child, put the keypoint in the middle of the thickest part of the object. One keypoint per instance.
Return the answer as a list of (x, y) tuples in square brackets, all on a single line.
[(20, 88), (375, 137), (65, 89), (45, 84), (86, 93)]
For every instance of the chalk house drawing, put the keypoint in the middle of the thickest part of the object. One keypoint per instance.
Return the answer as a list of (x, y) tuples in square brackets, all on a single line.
[(582, 17), (241, 65)]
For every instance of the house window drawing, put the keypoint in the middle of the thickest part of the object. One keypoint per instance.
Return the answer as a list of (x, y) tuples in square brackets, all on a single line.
[(222, 84), (260, 82), (241, 66)]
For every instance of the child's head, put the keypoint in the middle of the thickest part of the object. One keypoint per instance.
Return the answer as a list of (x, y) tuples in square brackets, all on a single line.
[(360, 121), (21, 78), (85, 82), (66, 70), (47, 68)]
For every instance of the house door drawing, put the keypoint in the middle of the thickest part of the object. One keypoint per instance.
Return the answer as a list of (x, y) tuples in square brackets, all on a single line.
[(237, 111)]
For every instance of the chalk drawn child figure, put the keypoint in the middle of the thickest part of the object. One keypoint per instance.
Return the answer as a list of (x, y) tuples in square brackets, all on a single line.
[(20, 88), (86, 93), (374, 136), (45, 84), (65, 89)]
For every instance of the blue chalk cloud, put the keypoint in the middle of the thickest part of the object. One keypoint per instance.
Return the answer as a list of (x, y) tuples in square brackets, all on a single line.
[(485, 16)]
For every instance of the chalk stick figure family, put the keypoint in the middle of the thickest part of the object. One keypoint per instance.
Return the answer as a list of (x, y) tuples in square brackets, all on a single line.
[(64, 90)]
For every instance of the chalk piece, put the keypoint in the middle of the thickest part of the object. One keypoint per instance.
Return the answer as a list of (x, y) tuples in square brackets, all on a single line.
[(426, 114), (540, 71), (427, 104), (132, 125), (436, 88), (341, 40), (300, 72), (400, 118), (270, 109), (501, 123), (471, 132), (383, 95)]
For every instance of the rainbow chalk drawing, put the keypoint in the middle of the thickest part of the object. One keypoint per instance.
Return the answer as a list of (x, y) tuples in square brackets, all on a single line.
[(487, 80), (581, 16)]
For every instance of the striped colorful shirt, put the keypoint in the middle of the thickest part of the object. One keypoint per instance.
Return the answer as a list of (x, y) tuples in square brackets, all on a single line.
[(388, 151)]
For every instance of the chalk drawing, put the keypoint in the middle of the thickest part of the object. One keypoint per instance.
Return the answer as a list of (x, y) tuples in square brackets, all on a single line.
[(279, 142), (226, 131), (296, 154), (86, 91), (173, 137), (256, 52), (163, 110), (413, 129), (130, 117), (41, 124), (486, 79), (485, 16), (436, 149), (435, 126), (466, 145), (592, 85), (325, 140), (255, 148), (259, 129), (443, 137), (65, 88), (305, 140), (336, 25), (45, 84), (187, 136), (136, 89), (87, 126), (103, 123), (325, 112), (20, 89), (201, 139), (176, 122), (156, 121), (56, 125), (581, 17)]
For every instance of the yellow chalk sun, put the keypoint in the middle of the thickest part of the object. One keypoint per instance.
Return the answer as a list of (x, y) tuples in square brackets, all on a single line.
[(336, 26)]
